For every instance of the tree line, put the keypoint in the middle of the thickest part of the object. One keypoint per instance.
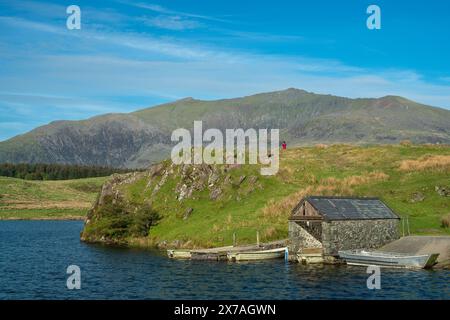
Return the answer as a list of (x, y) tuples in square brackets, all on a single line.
[(42, 171)]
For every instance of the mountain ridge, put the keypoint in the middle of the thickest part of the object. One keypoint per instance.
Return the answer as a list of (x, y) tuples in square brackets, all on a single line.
[(142, 137)]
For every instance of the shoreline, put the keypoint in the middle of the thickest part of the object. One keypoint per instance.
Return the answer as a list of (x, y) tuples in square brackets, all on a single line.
[(69, 218), (136, 243)]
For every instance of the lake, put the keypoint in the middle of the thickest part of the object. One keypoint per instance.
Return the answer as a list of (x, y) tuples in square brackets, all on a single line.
[(34, 256)]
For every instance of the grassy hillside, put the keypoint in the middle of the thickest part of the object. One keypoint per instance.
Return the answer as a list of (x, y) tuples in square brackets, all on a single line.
[(204, 205), (22, 199)]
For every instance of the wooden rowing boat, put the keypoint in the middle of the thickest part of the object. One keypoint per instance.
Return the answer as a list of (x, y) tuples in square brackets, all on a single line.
[(277, 253), (220, 253), (388, 259), (179, 254), (214, 254)]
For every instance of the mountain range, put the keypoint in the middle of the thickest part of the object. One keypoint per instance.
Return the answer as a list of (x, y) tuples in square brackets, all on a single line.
[(137, 139)]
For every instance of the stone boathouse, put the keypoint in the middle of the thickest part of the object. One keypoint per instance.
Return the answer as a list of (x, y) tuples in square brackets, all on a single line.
[(321, 226)]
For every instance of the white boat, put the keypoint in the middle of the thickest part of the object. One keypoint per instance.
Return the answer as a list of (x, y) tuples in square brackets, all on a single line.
[(278, 253), (388, 259), (179, 254)]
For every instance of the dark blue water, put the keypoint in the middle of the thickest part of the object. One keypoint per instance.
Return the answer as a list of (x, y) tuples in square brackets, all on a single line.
[(34, 256)]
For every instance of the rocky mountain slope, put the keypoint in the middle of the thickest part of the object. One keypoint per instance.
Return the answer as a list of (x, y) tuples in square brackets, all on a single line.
[(143, 137)]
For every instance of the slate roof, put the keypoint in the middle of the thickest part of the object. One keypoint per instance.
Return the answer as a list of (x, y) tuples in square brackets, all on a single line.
[(341, 208)]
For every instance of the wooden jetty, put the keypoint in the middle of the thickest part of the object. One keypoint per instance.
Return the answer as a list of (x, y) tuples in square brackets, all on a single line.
[(310, 255)]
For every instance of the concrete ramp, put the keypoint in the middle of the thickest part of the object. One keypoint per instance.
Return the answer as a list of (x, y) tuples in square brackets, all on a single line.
[(423, 245)]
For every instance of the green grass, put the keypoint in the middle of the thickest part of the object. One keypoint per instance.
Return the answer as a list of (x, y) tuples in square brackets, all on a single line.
[(24, 199), (265, 206), (42, 214)]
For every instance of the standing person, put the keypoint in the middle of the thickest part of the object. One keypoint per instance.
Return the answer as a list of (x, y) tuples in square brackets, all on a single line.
[(284, 145)]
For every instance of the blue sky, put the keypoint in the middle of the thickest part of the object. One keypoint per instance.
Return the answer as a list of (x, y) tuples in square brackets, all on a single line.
[(134, 54)]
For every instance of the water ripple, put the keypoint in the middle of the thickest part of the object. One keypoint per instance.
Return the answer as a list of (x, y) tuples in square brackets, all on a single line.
[(34, 256)]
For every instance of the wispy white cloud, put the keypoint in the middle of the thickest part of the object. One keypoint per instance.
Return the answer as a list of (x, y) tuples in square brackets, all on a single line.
[(171, 22), (260, 36), (205, 69), (130, 40), (17, 22), (101, 69), (167, 47), (39, 8), (163, 10), (165, 18), (26, 103), (210, 78)]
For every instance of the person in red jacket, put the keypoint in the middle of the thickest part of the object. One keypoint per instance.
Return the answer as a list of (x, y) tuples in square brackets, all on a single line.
[(284, 145)]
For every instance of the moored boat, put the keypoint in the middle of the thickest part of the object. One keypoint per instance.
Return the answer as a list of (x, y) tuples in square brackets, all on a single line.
[(277, 253), (179, 254), (213, 254), (388, 259)]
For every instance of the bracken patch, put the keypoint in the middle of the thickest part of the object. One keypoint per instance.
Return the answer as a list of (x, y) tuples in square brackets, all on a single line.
[(433, 163)]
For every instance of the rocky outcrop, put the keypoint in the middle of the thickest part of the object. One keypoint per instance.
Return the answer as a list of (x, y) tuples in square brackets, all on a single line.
[(111, 192), (187, 213), (443, 191), (180, 182), (200, 177), (417, 197)]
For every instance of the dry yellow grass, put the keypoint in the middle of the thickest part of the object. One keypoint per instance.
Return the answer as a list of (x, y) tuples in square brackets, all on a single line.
[(334, 186), (406, 143), (364, 179), (435, 163), (330, 186), (286, 174), (311, 178), (333, 190), (270, 232), (283, 207)]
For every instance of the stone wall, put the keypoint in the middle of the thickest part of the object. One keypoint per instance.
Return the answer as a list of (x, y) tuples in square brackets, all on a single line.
[(300, 238), (314, 228), (357, 234)]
